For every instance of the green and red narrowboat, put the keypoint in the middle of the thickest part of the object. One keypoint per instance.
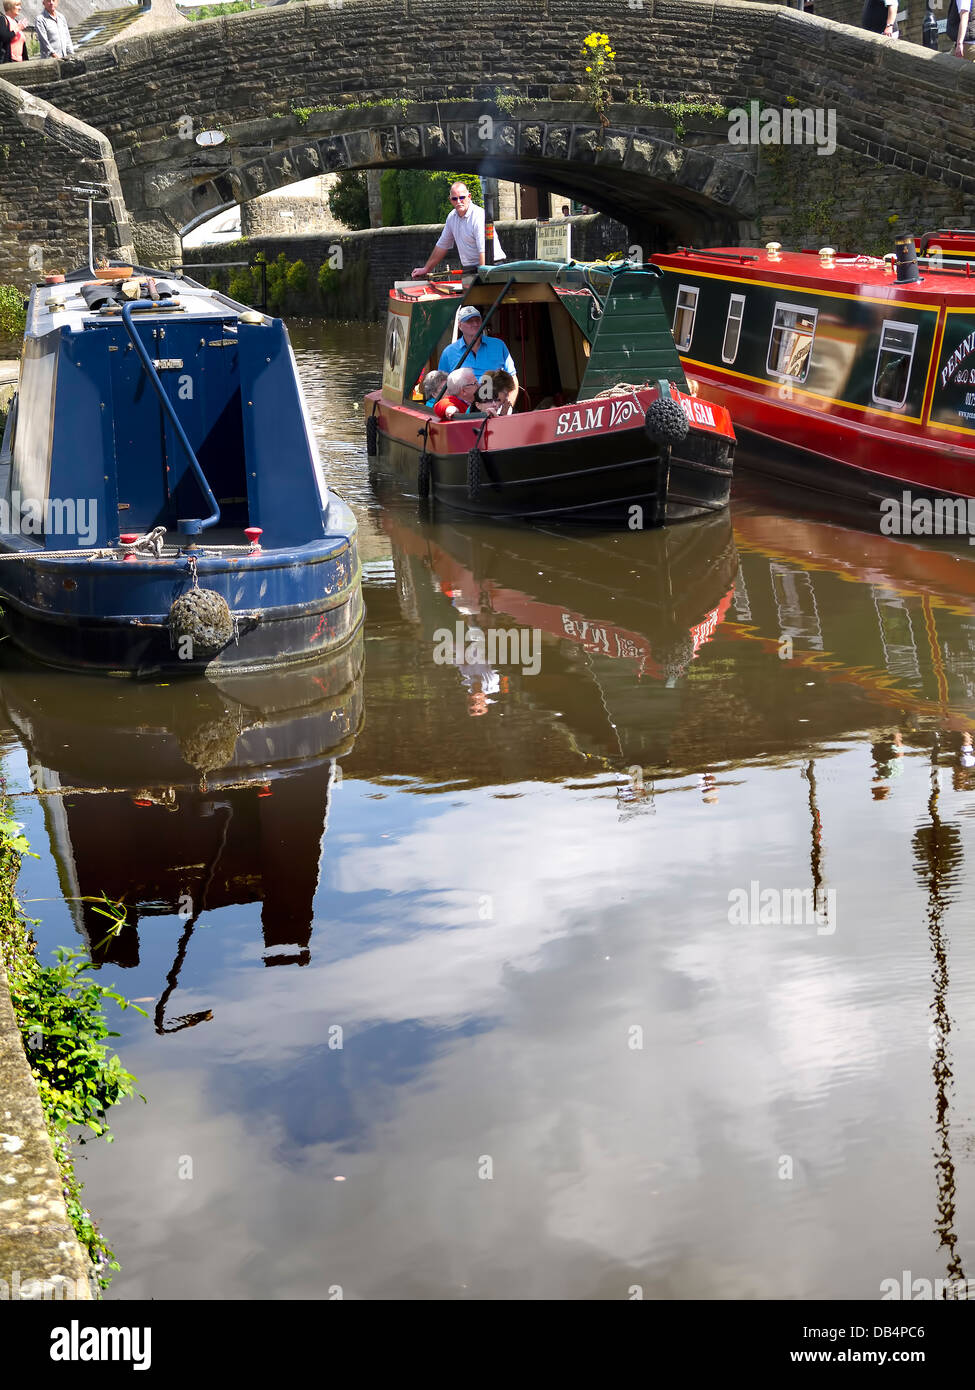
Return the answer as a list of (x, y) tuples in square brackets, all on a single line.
[(605, 429), (842, 373)]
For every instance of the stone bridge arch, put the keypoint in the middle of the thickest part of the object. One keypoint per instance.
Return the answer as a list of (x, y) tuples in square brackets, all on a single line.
[(359, 80), (639, 175)]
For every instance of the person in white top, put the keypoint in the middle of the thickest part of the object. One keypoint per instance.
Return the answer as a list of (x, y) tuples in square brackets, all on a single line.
[(464, 228), (52, 32), (964, 45)]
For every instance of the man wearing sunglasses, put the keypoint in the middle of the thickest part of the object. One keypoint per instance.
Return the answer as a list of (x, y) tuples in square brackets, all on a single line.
[(464, 228)]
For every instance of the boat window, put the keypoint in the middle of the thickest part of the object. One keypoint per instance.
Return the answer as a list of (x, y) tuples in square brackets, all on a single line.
[(732, 328), (793, 330), (685, 314), (894, 358)]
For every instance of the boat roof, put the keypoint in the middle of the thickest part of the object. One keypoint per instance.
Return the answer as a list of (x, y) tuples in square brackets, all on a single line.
[(593, 275), (850, 274), (596, 276), (54, 307)]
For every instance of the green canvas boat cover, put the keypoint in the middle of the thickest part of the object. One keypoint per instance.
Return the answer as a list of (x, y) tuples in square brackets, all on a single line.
[(633, 342), (570, 275)]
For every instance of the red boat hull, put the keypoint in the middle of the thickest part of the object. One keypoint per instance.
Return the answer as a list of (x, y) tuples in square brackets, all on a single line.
[(592, 461), (836, 452)]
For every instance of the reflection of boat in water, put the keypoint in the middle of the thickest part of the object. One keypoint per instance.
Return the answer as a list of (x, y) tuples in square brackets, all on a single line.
[(892, 618), (186, 798), (574, 591), (612, 619), (655, 652)]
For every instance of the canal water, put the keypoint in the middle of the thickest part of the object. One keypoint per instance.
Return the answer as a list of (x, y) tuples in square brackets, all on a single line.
[(632, 956)]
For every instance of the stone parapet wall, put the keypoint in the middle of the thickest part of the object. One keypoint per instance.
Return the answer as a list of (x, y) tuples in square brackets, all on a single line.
[(43, 153)]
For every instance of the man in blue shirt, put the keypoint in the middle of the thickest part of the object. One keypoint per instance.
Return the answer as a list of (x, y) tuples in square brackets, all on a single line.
[(488, 355)]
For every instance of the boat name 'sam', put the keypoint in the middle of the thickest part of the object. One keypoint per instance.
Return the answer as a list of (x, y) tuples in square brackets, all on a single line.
[(585, 419)]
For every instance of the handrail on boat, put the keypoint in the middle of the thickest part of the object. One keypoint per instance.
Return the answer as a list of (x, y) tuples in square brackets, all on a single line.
[(930, 264), (191, 526), (716, 255)]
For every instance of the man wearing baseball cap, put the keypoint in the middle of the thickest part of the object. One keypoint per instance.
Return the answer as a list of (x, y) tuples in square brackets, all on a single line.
[(464, 228), (488, 354)]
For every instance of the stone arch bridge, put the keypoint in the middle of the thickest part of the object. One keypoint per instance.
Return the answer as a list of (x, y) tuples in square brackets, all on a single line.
[(335, 84)]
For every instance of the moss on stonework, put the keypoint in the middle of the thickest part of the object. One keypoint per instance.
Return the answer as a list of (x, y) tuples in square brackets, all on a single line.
[(842, 200)]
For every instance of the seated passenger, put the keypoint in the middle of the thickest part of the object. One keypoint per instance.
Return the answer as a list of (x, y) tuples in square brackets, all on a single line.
[(494, 392), (459, 400), (431, 387), (487, 352)]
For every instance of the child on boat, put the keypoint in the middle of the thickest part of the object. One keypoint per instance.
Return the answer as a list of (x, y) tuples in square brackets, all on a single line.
[(459, 400), (431, 387), (493, 392)]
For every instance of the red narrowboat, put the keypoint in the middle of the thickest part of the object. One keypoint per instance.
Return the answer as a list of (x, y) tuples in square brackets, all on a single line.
[(604, 428), (850, 375)]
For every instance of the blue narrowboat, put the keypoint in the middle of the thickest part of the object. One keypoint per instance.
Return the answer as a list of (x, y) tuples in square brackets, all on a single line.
[(163, 507)]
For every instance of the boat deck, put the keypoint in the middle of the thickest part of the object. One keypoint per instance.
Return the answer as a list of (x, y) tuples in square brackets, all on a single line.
[(63, 306)]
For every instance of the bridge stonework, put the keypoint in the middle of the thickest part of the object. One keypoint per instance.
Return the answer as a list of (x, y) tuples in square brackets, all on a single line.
[(505, 95)]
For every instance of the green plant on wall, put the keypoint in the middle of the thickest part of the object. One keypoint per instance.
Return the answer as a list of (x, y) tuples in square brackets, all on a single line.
[(13, 316), (392, 207), (600, 59), (60, 1013), (800, 191)]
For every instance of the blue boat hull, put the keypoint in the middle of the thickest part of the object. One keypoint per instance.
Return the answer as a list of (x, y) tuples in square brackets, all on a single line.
[(158, 440), (112, 615)]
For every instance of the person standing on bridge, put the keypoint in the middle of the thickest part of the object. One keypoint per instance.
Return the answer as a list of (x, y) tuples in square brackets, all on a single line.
[(959, 28), (13, 42), (53, 33), (464, 228), (880, 18)]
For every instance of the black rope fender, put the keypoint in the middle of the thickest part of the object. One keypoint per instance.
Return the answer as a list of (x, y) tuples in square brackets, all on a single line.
[(665, 421), (474, 460), (423, 467), (372, 432)]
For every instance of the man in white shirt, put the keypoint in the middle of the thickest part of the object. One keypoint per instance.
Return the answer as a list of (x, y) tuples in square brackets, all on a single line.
[(52, 32), (464, 228)]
